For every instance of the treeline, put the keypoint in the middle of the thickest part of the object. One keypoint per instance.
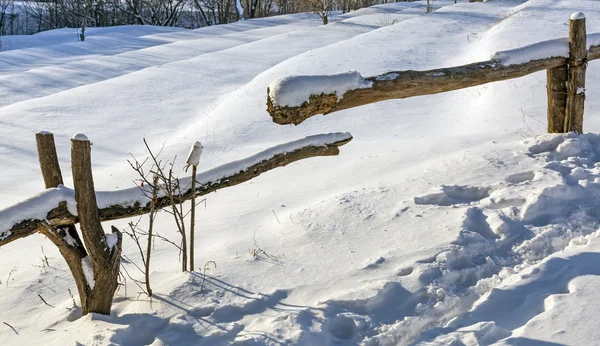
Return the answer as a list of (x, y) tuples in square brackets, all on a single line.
[(28, 17)]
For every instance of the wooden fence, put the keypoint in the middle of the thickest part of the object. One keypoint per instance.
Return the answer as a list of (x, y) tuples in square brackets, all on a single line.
[(48, 213), (565, 82)]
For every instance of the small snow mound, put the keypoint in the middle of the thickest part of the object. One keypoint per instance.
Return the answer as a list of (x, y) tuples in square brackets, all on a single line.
[(544, 143), (342, 327), (571, 147), (44, 133), (519, 178), (79, 137), (577, 16), (447, 195), (293, 91)]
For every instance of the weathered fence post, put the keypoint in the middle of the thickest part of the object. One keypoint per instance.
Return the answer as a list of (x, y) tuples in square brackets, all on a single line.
[(104, 256), (48, 159), (73, 250), (576, 73), (556, 86)]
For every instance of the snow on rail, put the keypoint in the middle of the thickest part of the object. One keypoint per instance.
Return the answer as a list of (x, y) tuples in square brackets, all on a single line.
[(541, 50), (293, 91), (38, 206), (129, 197)]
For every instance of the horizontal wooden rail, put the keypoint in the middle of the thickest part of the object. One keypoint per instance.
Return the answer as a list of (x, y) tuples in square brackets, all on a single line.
[(403, 84), (57, 201)]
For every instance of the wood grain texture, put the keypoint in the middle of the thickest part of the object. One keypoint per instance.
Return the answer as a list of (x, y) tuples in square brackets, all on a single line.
[(557, 98)]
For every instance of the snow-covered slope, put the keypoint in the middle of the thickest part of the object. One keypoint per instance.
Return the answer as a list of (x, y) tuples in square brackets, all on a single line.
[(448, 220)]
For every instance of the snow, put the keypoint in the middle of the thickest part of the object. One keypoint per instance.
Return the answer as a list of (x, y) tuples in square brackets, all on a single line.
[(80, 137), (388, 76), (88, 271), (541, 50), (577, 16), (70, 240), (194, 156), (295, 90), (36, 208), (111, 240), (44, 133), (535, 51), (449, 219), (131, 196)]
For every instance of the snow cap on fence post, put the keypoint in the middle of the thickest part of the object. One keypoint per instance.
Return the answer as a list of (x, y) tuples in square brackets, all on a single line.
[(80, 137), (194, 156), (577, 16)]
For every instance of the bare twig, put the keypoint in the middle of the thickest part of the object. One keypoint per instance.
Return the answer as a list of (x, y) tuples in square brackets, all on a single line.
[(276, 216), (206, 268), (11, 327)]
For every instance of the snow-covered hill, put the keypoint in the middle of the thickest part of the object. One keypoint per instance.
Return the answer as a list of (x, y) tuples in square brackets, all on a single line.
[(448, 220)]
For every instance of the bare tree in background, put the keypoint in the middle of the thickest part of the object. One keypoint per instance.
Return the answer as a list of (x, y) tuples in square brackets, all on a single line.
[(35, 16), (4, 6), (321, 8)]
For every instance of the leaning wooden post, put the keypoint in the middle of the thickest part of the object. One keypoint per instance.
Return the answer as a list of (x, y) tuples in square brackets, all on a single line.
[(104, 255), (193, 160), (576, 79), (556, 79)]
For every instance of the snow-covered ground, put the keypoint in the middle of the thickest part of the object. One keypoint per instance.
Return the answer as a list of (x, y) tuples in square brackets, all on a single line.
[(448, 220)]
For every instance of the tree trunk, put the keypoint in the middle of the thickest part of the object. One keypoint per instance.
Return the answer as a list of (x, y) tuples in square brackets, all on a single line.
[(85, 16)]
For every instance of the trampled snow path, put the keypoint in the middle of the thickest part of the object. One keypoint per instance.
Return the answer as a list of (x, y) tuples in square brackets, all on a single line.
[(433, 212)]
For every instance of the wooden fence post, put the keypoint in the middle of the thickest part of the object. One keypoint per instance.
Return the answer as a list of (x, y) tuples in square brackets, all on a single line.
[(48, 159), (556, 85), (104, 256), (72, 250), (193, 218), (192, 160), (576, 73)]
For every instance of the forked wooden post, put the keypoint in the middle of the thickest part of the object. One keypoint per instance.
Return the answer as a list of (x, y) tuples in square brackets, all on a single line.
[(72, 250), (576, 74)]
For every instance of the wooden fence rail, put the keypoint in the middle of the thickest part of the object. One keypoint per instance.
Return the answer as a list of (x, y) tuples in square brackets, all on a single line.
[(565, 74), (24, 219)]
